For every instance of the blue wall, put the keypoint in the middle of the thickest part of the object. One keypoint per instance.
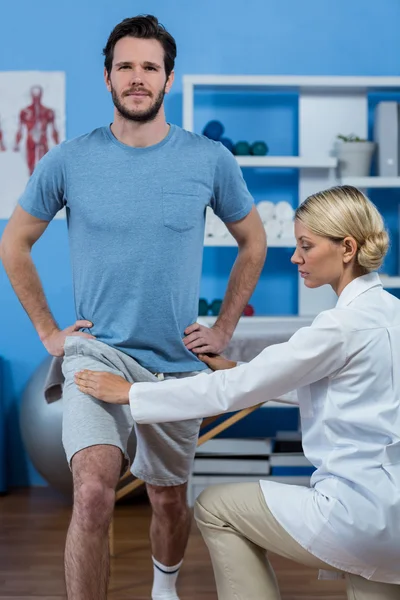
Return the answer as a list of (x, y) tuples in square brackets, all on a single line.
[(312, 37)]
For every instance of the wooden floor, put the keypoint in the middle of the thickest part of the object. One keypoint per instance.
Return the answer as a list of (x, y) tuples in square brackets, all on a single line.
[(33, 525)]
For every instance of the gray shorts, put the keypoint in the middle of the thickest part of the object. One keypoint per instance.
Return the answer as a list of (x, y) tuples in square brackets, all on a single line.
[(164, 453)]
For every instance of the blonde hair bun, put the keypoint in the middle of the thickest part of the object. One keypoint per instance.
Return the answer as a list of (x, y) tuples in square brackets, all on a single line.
[(372, 252), (344, 211)]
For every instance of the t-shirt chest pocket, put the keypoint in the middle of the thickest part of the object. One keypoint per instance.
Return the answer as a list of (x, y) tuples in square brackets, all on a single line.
[(181, 209)]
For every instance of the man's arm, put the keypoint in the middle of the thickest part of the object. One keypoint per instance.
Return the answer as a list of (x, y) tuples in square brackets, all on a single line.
[(252, 242), (250, 235), (20, 234)]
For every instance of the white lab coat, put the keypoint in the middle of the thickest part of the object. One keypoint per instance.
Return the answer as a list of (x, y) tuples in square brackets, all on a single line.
[(346, 369)]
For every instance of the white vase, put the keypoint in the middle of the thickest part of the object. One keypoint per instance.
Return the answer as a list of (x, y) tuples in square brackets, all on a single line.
[(355, 158)]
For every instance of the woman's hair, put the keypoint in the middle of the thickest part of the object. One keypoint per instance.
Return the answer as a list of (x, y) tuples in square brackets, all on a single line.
[(344, 211)]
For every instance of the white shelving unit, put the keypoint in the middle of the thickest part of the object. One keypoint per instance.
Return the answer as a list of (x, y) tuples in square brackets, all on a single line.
[(230, 241), (287, 162), (390, 282), (372, 182), (327, 106)]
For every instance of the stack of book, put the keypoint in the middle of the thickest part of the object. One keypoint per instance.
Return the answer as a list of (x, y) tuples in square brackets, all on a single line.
[(238, 460)]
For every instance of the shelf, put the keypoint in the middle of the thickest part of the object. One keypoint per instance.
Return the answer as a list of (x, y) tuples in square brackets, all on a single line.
[(390, 282), (294, 162), (295, 82), (230, 241), (326, 106), (271, 323), (372, 182)]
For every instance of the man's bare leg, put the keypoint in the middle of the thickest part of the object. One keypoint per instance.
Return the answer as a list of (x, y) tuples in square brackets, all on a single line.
[(170, 526), (96, 471)]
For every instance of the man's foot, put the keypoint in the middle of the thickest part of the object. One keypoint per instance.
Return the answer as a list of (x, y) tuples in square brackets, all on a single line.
[(164, 584)]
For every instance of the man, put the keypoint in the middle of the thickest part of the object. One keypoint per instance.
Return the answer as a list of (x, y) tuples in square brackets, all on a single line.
[(136, 194)]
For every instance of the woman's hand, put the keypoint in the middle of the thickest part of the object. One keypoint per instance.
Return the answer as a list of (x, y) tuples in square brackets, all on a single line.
[(217, 362), (103, 386)]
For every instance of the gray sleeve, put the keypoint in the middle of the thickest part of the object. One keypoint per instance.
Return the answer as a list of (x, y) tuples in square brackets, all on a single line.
[(45, 193), (231, 199)]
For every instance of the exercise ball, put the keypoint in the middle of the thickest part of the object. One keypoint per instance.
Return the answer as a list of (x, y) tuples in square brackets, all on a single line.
[(41, 427)]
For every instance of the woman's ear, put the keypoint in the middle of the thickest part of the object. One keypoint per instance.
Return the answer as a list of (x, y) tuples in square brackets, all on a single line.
[(350, 248)]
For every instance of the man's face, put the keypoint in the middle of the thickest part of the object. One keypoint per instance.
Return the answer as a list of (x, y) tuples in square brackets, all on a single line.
[(137, 81)]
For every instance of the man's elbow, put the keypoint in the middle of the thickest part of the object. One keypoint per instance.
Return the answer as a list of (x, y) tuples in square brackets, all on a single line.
[(4, 249), (256, 244), (4, 246), (11, 248)]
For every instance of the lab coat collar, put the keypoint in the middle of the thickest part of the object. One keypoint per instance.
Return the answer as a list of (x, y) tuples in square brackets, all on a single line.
[(356, 287)]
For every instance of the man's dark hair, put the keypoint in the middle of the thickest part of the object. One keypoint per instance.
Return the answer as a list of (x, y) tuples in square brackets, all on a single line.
[(145, 27)]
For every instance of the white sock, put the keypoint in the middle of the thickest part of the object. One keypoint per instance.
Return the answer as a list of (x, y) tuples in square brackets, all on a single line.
[(165, 581)]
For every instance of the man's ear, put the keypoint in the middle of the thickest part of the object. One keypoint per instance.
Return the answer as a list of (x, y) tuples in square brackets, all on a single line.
[(107, 80), (170, 81)]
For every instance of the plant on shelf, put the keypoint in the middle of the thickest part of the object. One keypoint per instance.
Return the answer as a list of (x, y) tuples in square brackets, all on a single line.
[(350, 138), (354, 155)]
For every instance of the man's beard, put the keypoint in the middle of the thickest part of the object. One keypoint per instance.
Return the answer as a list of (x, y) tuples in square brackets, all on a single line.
[(139, 116)]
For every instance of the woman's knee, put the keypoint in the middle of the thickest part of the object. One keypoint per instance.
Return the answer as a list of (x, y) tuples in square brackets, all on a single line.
[(207, 508), (358, 587)]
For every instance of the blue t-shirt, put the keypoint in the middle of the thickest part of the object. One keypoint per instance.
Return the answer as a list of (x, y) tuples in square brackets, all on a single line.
[(136, 220)]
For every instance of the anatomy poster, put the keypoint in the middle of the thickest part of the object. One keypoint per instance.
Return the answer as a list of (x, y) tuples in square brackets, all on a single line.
[(32, 120)]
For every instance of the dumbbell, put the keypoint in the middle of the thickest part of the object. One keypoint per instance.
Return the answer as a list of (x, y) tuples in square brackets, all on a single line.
[(248, 311), (213, 130), (215, 307), (205, 308), (242, 148), (259, 149), (228, 144)]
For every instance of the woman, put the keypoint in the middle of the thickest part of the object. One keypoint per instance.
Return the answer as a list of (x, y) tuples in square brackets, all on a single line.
[(345, 367)]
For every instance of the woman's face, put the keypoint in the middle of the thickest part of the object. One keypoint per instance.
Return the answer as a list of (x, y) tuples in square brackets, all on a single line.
[(320, 260)]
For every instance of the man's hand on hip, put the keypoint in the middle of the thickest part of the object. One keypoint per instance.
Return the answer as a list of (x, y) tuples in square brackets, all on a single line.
[(206, 340), (54, 341)]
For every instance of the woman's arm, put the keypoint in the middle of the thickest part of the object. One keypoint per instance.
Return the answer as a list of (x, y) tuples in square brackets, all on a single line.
[(114, 389), (311, 354)]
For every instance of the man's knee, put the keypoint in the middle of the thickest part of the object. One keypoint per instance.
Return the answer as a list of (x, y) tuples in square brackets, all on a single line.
[(168, 502), (93, 504)]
